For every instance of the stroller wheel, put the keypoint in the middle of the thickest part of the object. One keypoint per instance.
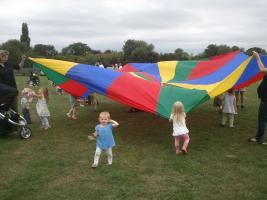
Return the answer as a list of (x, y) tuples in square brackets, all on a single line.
[(25, 132)]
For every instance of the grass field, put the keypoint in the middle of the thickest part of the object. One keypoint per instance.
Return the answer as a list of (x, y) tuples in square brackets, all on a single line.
[(56, 164)]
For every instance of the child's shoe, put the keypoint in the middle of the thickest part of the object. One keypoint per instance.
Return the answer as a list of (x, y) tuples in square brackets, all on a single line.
[(94, 166), (263, 143), (178, 151), (252, 139), (184, 151), (68, 115), (74, 117)]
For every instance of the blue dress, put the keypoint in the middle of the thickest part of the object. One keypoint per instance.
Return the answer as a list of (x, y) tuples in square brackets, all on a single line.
[(105, 138)]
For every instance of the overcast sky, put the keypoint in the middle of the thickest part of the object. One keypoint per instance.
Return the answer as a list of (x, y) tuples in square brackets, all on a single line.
[(167, 24)]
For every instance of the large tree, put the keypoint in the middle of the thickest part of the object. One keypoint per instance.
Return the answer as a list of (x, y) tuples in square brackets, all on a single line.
[(213, 50), (139, 51), (15, 48), (167, 57), (111, 57), (44, 50), (258, 49), (180, 54), (237, 48), (24, 37), (77, 49)]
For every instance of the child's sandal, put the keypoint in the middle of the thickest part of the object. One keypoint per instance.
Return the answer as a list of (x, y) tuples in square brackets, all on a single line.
[(184, 151), (178, 152)]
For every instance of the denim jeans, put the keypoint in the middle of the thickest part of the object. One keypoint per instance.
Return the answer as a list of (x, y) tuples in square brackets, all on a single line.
[(262, 119), (26, 115)]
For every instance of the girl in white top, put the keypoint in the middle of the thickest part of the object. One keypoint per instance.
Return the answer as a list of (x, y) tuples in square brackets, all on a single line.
[(229, 108), (180, 131), (42, 108)]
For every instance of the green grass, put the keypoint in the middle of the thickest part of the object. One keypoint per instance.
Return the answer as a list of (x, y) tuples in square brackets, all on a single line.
[(55, 164)]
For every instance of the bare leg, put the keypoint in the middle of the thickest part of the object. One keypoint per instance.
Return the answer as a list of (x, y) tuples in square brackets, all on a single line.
[(242, 99), (97, 156), (109, 155), (186, 139), (237, 98), (94, 101), (74, 112), (177, 144), (69, 114)]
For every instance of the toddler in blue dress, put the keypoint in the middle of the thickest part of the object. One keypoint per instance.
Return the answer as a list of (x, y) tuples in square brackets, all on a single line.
[(104, 137)]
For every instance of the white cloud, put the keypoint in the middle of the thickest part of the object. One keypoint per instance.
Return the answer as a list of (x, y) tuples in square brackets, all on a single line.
[(106, 24)]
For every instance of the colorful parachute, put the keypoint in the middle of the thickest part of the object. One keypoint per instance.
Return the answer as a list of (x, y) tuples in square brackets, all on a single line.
[(154, 87)]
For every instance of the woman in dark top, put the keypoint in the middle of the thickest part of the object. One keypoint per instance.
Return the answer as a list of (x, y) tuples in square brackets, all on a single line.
[(7, 78), (262, 94)]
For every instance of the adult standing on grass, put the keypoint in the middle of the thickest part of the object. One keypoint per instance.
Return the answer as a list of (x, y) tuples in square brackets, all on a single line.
[(7, 75), (262, 94)]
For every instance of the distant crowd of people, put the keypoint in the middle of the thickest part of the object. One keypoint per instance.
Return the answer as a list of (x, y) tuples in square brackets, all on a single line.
[(116, 66)]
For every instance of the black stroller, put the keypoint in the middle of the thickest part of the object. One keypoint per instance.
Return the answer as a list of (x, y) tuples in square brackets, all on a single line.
[(9, 119), (33, 80)]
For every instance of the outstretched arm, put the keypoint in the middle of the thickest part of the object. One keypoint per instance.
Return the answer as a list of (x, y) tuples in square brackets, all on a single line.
[(92, 136), (21, 64), (260, 64), (171, 118), (114, 123), (37, 95)]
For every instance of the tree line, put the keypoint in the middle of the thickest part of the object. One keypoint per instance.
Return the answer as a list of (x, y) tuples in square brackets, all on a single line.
[(132, 51)]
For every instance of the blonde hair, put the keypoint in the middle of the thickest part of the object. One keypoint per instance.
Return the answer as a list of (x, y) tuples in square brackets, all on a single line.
[(104, 114), (178, 113), (44, 92), (4, 52)]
